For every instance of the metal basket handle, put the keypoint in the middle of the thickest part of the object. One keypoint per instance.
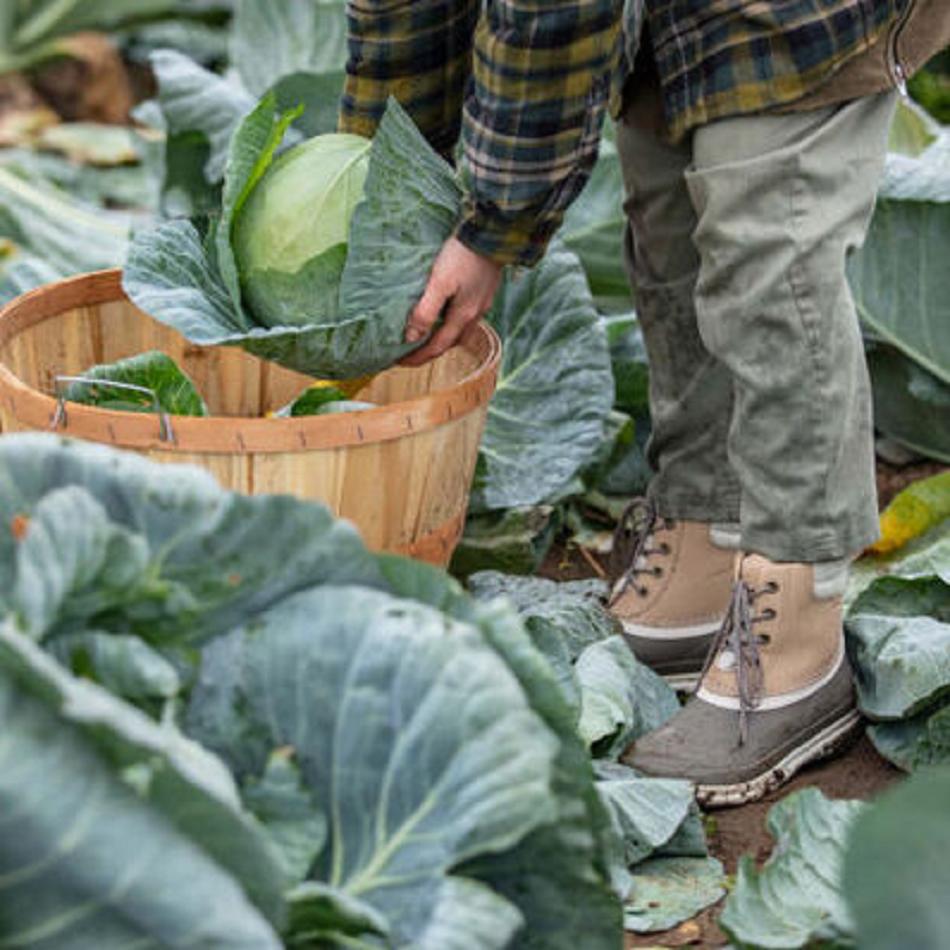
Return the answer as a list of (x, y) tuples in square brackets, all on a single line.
[(60, 419)]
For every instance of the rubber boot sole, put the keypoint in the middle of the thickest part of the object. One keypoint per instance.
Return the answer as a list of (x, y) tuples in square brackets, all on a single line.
[(682, 682), (824, 743)]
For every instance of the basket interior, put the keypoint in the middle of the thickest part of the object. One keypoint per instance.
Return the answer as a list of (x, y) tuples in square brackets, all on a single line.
[(232, 382)]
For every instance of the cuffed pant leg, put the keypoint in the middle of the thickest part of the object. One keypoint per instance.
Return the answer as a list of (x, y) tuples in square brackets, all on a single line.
[(780, 201), (690, 390)]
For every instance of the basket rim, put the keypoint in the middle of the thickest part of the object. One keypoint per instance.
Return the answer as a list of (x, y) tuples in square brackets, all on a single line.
[(217, 435)]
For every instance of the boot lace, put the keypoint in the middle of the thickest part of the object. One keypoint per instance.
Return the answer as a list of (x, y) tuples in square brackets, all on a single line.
[(737, 637), (632, 545)]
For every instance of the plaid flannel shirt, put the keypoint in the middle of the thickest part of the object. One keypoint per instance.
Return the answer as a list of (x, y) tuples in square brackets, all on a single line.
[(526, 84)]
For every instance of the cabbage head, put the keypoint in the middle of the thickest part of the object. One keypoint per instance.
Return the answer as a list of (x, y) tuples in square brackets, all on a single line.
[(317, 255), (300, 211)]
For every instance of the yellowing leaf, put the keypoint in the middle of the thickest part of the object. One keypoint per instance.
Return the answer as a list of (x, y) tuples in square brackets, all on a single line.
[(349, 387), (918, 508)]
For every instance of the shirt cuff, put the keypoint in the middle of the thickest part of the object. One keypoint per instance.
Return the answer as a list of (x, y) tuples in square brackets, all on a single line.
[(506, 240)]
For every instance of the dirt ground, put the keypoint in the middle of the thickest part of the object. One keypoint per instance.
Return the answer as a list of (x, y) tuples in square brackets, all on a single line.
[(857, 772)]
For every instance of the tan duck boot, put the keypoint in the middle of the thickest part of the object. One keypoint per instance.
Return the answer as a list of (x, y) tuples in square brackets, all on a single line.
[(673, 584), (776, 692)]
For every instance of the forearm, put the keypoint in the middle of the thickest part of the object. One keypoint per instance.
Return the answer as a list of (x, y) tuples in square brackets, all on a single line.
[(532, 119), (418, 51)]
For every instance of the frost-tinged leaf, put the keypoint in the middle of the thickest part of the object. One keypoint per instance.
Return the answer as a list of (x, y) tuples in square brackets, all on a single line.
[(796, 898), (667, 891), (178, 848), (411, 789)]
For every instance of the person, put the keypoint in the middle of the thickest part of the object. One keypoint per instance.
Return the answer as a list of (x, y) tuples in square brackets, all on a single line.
[(752, 136)]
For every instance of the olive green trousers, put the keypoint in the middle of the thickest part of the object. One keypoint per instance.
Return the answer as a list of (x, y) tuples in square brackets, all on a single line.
[(736, 246)]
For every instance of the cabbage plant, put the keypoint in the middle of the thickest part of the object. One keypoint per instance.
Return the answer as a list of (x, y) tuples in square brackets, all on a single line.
[(315, 258), (273, 736)]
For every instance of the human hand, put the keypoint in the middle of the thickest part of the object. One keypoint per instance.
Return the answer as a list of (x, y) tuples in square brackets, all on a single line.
[(461, 282)]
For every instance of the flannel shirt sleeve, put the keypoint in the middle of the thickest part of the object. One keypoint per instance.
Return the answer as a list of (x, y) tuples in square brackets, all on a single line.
[(533, 112), (420, 52)]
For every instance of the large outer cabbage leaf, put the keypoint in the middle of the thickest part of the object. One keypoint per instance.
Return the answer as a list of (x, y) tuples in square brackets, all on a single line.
[(218, 560), (897, 867), (295, 49), (117, 831), (189, 559), (595, 223), (66, 234), (298, 49), (410, 791), (796, 898), (194, 100), (555, 387), (559, 876), (899, 278), (915, 743), (410, 207), (899, 641), (911, 405)]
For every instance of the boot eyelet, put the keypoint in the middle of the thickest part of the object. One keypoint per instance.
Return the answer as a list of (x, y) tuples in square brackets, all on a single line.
[(769, 614), (665, 548), (773, 587), (642, 591), (658, 571), (763, 639)]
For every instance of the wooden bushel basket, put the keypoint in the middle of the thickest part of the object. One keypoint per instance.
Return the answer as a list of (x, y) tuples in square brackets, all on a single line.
[(401, 472)]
